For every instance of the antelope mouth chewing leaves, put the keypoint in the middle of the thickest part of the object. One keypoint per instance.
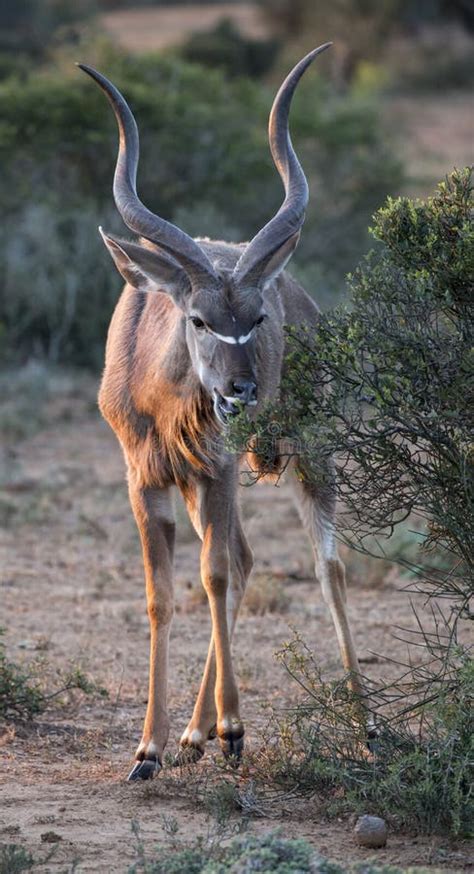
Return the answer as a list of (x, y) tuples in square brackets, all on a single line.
[(226, 408)]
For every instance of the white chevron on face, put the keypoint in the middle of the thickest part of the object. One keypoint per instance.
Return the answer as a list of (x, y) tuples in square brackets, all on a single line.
[(233, 341)]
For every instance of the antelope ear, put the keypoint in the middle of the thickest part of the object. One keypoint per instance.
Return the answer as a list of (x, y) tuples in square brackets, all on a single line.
[(271, 265), (148, 269), (277, 261)]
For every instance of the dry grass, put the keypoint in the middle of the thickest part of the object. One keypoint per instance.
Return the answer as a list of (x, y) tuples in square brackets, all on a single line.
[(144, 30), (265, 594), (194, 597)]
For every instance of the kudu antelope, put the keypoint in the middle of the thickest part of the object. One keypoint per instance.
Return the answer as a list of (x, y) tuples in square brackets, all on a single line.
[(197, 334)]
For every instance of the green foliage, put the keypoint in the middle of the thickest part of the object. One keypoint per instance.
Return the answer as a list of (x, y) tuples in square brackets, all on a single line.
[(224, 47), (28, 26), (15, 859), (386, 389), (20, 696), (201, 135), (57, 294), (368, 31), (387, 386), (378, 17), (23, 696), (267, 852), (420, 775)]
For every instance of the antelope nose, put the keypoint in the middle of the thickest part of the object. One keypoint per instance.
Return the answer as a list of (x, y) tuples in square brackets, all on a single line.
[(245, 391)]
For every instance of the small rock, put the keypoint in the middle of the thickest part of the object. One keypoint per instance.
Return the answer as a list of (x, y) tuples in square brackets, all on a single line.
[(50, 838), (371, 831)]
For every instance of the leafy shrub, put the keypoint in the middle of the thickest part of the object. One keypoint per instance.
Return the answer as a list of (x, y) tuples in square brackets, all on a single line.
[(28, 26), (23, 696), (15, 859), (368, 31), (268, 852), (387, 386), (420, 775), (201, 134), (57, 293), (20, 696), (225, 47), (243, 857), (378, 18)]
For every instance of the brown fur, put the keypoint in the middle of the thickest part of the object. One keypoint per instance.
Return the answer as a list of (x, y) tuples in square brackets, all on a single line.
[(165, 421)]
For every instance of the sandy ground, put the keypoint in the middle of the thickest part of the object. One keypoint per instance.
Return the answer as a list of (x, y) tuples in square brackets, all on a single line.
[(72, 594)]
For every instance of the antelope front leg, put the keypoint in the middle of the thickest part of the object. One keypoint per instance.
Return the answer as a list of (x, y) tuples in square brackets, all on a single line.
[(153, 513), (217, 518), (202, 726)]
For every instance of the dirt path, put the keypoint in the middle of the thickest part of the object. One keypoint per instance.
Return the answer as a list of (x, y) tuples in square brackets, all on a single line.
[(72, 593)]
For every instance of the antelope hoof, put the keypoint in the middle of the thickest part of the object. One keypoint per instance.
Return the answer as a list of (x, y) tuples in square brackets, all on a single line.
[(144, 770), (232, 744), (187, 755)]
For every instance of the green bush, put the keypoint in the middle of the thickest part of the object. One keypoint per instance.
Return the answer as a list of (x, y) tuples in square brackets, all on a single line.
[(224, 47), (368, 31), (420, 775), (20, 695), (269, 853), (201, 135), (23, 696), (29, 26), (378, 18), (15, 859), (57, 292), (386, 387)]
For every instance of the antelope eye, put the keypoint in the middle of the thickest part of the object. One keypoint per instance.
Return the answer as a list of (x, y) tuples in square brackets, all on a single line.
[(198, 323), (260, 320)]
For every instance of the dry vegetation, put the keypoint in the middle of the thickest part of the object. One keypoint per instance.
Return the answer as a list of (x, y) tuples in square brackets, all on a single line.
[(142, 30), (73, 595)]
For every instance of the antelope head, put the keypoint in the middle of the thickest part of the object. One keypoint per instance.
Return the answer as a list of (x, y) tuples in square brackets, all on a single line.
[(223, 309)]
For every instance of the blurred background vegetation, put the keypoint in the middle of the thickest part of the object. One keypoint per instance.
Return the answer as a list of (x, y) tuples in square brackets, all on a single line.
[(387, 113)]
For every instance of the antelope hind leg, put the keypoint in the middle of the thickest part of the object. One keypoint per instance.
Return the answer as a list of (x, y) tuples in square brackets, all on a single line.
[(316, 506)]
